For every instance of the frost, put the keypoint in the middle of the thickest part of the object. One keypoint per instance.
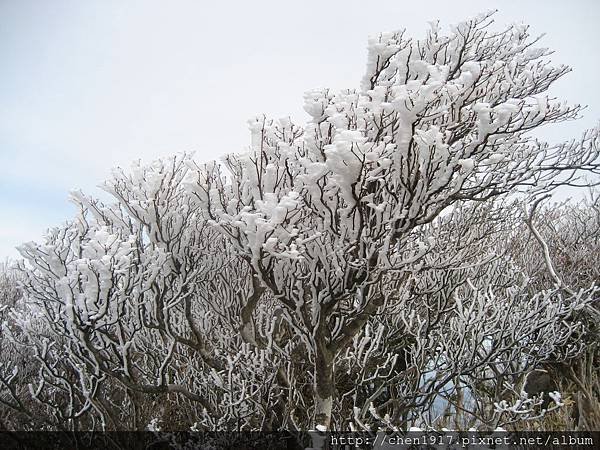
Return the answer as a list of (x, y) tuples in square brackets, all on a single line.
[(467, 164), (154, 425), (556, 397), (375, 253)]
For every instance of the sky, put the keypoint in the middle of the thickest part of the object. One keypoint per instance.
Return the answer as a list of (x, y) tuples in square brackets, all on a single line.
[(86, 86)]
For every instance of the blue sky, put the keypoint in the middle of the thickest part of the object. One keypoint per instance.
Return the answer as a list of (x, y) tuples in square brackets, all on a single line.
[(89, 85)]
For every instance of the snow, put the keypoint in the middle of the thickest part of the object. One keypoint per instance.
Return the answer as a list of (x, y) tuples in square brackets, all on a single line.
[(299, 234)]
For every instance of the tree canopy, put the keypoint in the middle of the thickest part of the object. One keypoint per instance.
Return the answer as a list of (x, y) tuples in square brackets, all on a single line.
[(345, 274)]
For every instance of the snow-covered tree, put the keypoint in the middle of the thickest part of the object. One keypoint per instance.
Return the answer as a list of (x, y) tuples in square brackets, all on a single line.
[(342, 274), (326, 214)]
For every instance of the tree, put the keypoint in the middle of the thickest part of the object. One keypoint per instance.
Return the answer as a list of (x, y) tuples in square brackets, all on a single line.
[(335, 206), (353, 267)]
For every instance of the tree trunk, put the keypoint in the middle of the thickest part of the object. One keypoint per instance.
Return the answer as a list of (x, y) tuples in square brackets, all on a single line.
[(324, 384)]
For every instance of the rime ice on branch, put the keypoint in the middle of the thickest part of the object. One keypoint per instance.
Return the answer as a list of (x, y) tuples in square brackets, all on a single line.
[(314, 281)]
